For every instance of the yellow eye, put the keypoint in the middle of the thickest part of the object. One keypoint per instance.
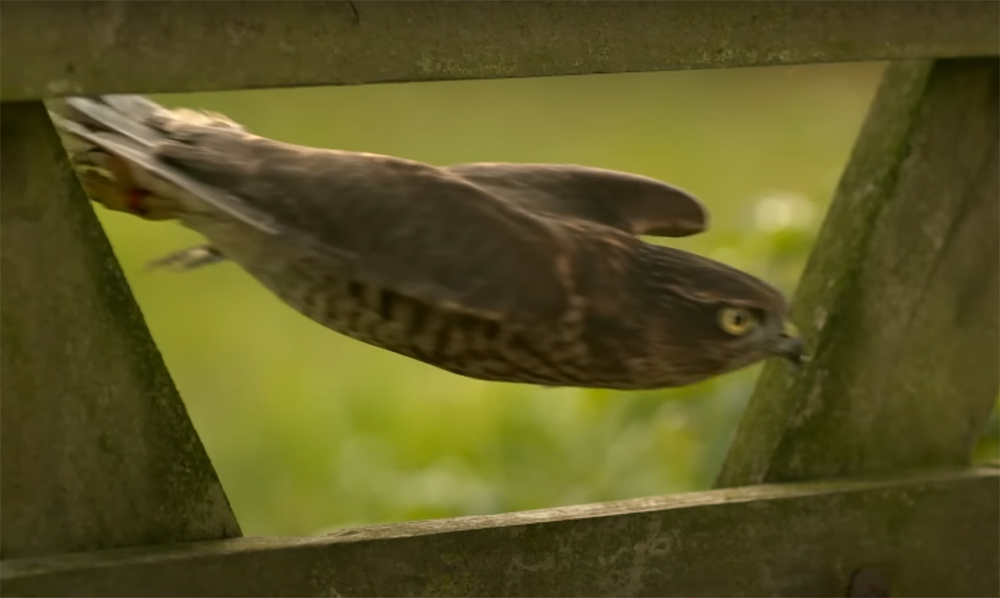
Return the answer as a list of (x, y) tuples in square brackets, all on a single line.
[(736, 320)]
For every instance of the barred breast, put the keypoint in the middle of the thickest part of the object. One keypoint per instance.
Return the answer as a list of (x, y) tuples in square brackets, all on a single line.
[(488, 349)]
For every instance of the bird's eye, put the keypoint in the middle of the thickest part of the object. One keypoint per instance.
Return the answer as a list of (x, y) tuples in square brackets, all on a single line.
[(736, 320)]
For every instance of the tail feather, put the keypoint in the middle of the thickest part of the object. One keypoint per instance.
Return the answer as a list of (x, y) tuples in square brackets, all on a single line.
[(119, 135), (139, 107), (124, 117)]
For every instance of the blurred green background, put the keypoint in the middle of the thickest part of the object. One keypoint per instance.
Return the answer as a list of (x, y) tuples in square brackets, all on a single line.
[(310, 431)]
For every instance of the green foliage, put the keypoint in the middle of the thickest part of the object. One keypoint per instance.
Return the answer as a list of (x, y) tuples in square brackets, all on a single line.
[(310, 430)]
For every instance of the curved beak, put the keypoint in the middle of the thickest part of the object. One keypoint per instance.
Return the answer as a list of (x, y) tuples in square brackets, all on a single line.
[(789, 345)]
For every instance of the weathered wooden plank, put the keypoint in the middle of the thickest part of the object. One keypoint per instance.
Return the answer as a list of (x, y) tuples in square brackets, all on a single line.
[(900, 300), (141, 47), (933, 535), (97, 449)]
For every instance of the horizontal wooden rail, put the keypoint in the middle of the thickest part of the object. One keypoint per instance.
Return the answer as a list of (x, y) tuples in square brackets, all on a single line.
[(928, 535), (89, 47)]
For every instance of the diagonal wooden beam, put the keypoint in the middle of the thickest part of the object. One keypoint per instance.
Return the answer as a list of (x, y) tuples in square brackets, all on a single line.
[(90, 47), (901, 298), (96, 449)]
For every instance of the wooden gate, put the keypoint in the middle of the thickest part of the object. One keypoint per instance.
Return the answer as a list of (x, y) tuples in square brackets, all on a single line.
[(850, 476)]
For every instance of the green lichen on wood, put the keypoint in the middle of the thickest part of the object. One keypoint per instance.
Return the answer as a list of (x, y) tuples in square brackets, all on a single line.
[(97, 448), (931, 534), (900, 298), (137, 47)]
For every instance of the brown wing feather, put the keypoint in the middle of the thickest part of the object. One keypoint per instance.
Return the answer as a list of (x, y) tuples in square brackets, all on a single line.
[(636, 204), (391, 222)]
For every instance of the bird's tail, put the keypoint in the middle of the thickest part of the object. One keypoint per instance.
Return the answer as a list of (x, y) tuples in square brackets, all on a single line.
[(112, 142), (110, 146), (115, 144)]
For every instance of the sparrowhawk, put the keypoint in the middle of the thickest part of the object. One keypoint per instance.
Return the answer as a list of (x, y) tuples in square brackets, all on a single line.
[(530, 273)]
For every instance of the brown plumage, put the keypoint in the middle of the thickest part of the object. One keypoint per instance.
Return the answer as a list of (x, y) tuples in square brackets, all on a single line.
[(512, 272)]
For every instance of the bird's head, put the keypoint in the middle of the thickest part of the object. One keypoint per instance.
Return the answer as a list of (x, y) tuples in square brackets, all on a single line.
[(713, 318), (758, 331)]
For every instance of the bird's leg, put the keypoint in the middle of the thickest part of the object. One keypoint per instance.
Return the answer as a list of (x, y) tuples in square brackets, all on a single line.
[(188, 259)]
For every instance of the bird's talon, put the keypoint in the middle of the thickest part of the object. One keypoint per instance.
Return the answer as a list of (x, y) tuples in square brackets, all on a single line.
[(187, 259)]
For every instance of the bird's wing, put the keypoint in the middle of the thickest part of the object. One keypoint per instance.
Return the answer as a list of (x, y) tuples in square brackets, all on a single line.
[(392, 223), (635, 204), (395, 223)]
